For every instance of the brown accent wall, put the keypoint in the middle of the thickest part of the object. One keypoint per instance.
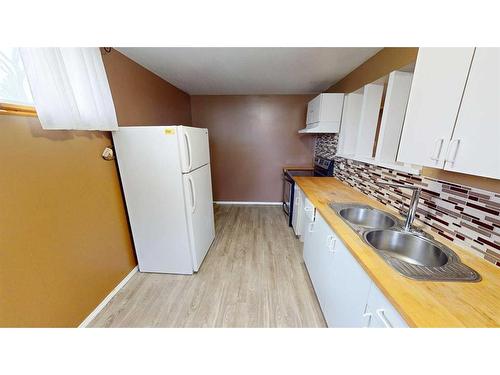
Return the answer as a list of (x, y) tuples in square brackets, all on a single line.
[(251, 138), (143, 98), (379, 65), (64, 238)]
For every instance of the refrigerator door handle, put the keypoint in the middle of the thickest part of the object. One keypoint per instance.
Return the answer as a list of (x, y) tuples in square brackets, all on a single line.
[(188, 151), (193, 194)]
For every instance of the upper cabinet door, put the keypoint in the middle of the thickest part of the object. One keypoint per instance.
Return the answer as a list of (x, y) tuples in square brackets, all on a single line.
[(350, 124), (313, 110), (474, 147), (326, 107), (370, 110), (331, 105), (437, 88), (396, 99)]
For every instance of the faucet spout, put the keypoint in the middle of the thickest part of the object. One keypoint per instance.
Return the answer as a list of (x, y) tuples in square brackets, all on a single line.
[(410, 216)]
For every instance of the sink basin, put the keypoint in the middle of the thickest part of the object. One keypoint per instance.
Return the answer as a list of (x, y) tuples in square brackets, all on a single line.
[(417, 256), (407, 247), (367, 217)]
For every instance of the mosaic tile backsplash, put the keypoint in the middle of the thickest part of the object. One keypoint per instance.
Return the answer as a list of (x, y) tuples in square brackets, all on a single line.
[(326, 145), (468, 216), (465, 215)]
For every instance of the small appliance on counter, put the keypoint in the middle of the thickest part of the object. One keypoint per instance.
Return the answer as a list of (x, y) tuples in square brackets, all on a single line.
[(322, 168)]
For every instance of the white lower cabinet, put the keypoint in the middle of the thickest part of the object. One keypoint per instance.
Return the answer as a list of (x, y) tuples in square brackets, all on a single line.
[(380, 313), (298, 211), (346, 294), (308, 214), (319, 261)]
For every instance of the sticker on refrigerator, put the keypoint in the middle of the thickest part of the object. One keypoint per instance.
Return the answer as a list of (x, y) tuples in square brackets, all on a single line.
[(169, 131)]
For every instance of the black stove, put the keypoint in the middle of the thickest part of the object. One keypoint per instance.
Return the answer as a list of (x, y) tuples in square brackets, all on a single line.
[(322, 168)]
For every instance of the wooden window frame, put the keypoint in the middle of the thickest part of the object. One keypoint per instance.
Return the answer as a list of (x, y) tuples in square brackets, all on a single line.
[(17, 110)]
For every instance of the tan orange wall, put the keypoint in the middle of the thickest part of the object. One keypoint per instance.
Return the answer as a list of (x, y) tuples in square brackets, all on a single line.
[(64, 238), (379, 65), (251, 138)]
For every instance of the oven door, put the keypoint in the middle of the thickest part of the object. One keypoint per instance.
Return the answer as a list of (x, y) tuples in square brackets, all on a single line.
[(288, 185)]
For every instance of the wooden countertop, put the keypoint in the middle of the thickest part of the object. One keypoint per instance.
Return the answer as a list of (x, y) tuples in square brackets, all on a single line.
[(421, 303)]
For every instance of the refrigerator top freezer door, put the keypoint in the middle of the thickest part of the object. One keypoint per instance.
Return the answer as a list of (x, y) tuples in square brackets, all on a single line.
[(150, 171), (200, 212), (194, 149)]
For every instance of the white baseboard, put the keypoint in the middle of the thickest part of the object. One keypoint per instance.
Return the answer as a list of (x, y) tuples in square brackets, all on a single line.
[(108, 298), (250, 203)]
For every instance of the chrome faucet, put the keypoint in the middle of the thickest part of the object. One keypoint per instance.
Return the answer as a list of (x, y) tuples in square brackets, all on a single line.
[(410, 216)]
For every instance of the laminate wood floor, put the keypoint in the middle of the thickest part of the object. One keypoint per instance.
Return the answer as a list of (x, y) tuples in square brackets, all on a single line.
[(253, 276)]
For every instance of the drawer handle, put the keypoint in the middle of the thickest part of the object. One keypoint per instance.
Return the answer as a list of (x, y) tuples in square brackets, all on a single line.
[(383, 318)]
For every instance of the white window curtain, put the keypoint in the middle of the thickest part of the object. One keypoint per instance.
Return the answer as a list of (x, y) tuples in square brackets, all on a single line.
[(70, 88)]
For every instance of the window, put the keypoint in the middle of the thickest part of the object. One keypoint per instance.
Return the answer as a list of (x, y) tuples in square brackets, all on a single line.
[(15, 94)]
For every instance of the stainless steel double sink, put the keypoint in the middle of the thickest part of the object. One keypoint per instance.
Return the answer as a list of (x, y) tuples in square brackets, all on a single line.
[(414, 254)]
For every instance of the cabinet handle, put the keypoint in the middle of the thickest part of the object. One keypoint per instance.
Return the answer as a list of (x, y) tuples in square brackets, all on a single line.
[(452, 151), (381, 315), (437, 149), (311, 227), (332, 241), (368, 321)]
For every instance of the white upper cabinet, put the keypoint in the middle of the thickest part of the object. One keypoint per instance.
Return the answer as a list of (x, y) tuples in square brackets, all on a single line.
[(359, 121), (350, 123), (436, 91), (474, 145), (313, 110), (371, 132), (370, 110), (396, 99), (324, 113)]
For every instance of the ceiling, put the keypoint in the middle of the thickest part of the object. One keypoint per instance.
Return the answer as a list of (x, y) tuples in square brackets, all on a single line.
[(247, 71)]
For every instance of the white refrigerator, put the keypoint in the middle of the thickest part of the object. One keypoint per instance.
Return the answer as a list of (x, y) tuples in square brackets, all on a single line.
[(165, 174)]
